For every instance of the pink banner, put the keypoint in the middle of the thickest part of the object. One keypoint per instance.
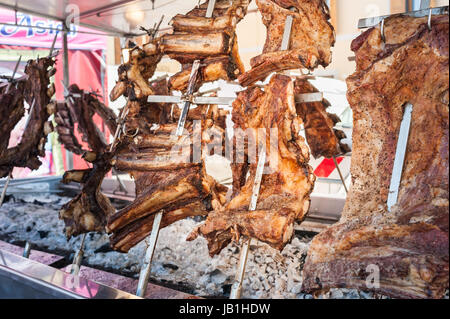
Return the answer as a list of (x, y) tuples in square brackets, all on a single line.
[(35, 32)]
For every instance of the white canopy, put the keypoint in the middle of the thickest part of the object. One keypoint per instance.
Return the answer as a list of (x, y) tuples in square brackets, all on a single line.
[(114, 17)]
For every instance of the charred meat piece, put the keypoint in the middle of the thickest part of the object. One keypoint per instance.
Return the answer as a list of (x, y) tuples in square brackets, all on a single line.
[(312, 37), (134, 75), (142, 114), (11, 111), (409, 245), (65, 120), (323, 139), (80, 108), (90, 209), (288, 182), (211, 40), (169, 176), (37, 92)]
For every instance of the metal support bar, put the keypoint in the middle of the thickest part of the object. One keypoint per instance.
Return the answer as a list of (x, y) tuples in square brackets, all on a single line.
[(236, 288), (299, 98), (69, 155), (147, 263), (400, 155), (374, 21), (210, 9), (340, 173)]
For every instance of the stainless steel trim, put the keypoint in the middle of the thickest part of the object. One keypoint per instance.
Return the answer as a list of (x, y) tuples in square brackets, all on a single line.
[(25, 278)]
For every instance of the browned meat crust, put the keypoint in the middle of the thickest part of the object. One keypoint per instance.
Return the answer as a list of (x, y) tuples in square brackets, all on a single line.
[(410, 244), (312, 37), (32, 146), (284, 193)]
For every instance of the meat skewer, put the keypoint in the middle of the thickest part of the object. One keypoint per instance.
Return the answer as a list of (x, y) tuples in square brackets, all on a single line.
[(408, 244), (236, 288), (12, 123), (280, 203), (88, 211), (309, 45)]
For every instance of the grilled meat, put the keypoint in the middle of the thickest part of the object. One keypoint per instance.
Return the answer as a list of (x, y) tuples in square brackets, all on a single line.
[(409, 245)]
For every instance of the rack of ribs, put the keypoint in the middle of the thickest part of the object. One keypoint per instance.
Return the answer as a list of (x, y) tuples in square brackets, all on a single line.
[(12, 110), (212, 40), (37, 91), (134, 75), (285, 189), (409, 245), (89, 210), (312, 37), (323, 139), (168, 175)]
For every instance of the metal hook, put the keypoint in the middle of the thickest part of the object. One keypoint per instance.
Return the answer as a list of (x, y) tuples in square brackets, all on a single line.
[(132, 135), (429, 19), (383, 38)]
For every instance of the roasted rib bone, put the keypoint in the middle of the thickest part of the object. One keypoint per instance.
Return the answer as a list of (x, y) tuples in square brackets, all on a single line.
[(168, 177), (211, 40), (312, 37), (408, 245)]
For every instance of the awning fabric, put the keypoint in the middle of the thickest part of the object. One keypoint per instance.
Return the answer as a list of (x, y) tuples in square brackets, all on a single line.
[(42, 37)]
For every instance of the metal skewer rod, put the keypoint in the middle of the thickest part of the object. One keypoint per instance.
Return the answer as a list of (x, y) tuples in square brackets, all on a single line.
[(190, 91), (236, 288), (374, 21), (5, 188), (53, 45), (340, 173), (27, 250), (400, 155), (76, 264), (14, 74), (192, 80), (147, 263), (196, 99), (210, 9), (287, 32)]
